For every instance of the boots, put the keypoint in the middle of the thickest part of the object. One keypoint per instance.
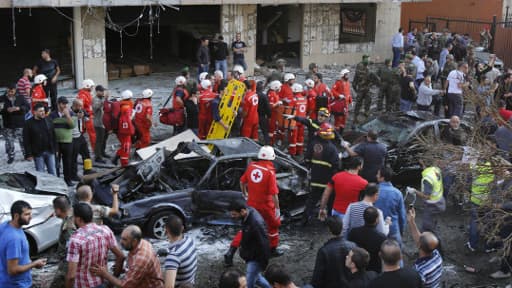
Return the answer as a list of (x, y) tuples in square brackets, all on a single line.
[(228, 257), (274, 252)]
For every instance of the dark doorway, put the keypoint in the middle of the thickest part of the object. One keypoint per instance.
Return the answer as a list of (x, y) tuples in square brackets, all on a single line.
[(279, 33), (175, 34), (36, 29)]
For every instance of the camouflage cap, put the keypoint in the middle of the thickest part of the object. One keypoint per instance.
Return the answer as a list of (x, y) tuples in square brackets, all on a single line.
[(312, 66), (366, 56), (409, 56)]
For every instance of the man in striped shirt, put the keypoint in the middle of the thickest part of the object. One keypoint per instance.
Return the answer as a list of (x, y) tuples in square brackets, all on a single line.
[(181, 262), (430, 263), (24, 86)]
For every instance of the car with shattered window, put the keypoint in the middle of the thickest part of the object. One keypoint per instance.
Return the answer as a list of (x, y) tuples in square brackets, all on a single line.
[(404, 134), (39, 190), (196, 181)]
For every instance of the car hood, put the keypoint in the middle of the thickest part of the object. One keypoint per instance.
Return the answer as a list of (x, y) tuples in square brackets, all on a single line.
[(49, 183), (42, 208)]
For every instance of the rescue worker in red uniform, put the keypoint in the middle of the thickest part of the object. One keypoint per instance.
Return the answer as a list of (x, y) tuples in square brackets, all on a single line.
[(311, 98), (286, 89), (259, 185), (250, 113), (38, 94), (179, 96), (296, 134), (205, 108), (144, 119), (341, 99), (125, 129), (273, 99), (85, 95), (320, 87)]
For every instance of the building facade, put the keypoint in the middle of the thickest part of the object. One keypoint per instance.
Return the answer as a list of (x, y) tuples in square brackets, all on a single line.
[(97, 32)]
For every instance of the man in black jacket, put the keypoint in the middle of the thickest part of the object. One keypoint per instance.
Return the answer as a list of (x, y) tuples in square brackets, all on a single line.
[(220, 53), (203, 57), (39, 140), (330, 270), (369, 238), (13, 113), (254, 247), (264, 111)]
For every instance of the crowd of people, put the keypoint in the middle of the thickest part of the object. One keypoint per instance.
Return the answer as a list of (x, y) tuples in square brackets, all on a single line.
[(363, 211)]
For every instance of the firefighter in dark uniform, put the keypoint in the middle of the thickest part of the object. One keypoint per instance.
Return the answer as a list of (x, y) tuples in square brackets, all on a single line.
[(322, 160), (313, 125)]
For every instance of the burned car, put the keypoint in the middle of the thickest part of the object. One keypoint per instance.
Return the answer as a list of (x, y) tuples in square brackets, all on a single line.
[(402, 134), (196, 181), (39, 190)]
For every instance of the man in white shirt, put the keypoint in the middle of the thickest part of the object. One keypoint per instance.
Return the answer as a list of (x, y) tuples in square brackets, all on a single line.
[(420, 68), (398, 46), (456, 82), (425, 93)]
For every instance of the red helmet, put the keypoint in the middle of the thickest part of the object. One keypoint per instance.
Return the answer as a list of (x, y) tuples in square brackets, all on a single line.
[(326, 131)]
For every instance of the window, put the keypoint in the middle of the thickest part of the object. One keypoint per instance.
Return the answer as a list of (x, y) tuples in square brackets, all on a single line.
[(357, 23)]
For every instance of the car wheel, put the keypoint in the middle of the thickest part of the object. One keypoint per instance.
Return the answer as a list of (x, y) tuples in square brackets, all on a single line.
[(156, 225)]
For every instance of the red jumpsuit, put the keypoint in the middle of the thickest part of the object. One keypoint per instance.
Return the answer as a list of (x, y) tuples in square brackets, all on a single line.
[(250, 115), (125, 131), (143, 120), (296, 134), (260, 178), (285, 92), (273, 98), (321, 88), (205, 112), (86, 97), (341, 87), (311, 110), (38, 95)]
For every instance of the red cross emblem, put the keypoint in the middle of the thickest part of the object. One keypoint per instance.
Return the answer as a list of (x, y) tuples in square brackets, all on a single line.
[(256, 176)]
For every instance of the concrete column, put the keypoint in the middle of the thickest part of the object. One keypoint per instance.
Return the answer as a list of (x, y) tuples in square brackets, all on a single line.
[(240, 18), (94, 54), (78, 59), (388, 22)]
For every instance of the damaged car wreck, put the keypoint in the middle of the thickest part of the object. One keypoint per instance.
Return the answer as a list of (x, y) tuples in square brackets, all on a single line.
[(196, 181)]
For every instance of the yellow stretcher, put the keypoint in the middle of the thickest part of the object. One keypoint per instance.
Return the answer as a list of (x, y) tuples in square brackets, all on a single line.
[(228, 106)]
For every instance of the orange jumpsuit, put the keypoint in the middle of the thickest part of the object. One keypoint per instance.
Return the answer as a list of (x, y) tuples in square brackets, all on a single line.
[(205, 112), (273, 98), (341, 87), (260, 178), (250, 115), (311, 110), (86, 97), (296, 134), (38, 95), (143, 121), (125, 131)]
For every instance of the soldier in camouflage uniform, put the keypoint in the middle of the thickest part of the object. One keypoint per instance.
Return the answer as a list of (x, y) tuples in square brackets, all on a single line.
[(63, 211), (361, 84), (389, 84), (313, 69), (409, 65), (449, 66)]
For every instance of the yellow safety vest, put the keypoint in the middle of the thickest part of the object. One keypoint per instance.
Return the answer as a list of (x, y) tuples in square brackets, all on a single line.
[(480, 188), (433, 176)]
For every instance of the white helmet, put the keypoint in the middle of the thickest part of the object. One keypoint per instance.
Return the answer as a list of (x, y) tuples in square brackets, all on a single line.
[(203, 76), (40, 79), (275, 85), (297, 88), (309, 83), (206, 84), (343, 72), (266, 153), (180, 80), (219, 74), (87, 84), (239, 69), (288, 77), (126, 94), (147, 93)]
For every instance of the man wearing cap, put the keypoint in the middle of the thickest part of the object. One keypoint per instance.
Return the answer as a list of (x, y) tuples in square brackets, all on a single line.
[(99, 128), (387, 78), (63, 125), (362, 86)]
